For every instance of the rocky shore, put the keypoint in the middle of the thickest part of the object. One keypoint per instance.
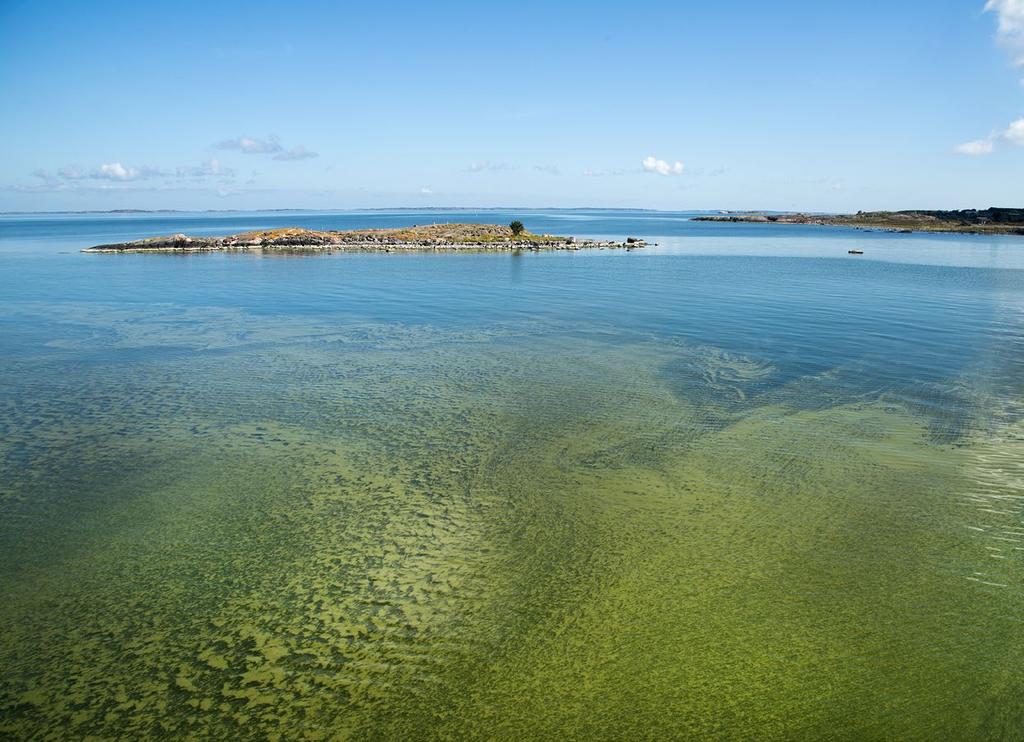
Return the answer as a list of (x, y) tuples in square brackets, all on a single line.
[(436, 237), (971, 221)]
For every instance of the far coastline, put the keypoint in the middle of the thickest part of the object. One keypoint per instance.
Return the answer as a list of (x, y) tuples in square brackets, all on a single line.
[(965, 221)]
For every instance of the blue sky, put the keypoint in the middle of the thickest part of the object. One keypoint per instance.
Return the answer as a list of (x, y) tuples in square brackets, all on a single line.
[(667, 105)]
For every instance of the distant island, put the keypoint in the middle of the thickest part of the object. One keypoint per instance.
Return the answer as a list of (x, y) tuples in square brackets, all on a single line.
[(979, 221), (479, 237)]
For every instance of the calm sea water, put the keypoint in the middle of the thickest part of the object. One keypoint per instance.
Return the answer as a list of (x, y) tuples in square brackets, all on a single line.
[(736, 485)]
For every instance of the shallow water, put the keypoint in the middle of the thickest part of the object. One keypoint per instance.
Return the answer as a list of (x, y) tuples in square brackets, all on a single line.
[(736, 485)]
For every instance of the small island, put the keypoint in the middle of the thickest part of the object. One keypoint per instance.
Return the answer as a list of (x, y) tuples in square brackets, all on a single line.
[(440, 237), (971, 221)]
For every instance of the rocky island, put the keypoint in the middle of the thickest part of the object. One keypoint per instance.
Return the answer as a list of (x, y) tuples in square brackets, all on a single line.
[(478, 237), (977, 221)]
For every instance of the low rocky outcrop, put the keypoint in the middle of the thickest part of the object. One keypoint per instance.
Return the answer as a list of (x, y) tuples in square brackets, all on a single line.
[(479, 237)]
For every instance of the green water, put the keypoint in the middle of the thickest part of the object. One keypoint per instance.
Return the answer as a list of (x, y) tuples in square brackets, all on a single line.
[(359, 516)]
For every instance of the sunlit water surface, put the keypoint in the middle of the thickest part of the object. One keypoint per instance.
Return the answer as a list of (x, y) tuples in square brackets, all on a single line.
[(739, 485)]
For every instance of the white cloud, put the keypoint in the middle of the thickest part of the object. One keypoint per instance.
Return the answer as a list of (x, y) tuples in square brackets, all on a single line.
[(654, 165), (270, 145), (975, 147), (549, 169), (71, 172), (1010, 32), (426, 190), (485, 166), (295, 153), (47, 186), (48, 178), (116, 171), (205, 169), (253, 145), (1014, 134)]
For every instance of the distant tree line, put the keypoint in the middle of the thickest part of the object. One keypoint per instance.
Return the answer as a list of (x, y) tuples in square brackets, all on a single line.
[(974, 216)]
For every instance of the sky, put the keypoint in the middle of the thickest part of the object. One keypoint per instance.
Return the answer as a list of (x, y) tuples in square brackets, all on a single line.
[(741, 104)]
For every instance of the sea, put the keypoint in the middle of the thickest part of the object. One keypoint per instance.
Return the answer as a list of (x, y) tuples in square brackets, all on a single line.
[(738, 484)]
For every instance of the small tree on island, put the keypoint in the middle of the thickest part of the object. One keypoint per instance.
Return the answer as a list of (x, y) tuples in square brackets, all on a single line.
[(517, 228)]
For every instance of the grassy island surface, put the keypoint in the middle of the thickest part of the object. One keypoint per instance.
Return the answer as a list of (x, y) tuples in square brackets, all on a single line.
[(977, 221), (416, 237)]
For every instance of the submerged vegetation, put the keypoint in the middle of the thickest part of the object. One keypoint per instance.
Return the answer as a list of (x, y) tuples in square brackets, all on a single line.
[(390, 540)]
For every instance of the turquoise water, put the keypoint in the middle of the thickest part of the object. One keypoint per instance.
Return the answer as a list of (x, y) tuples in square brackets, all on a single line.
[(738, 484)]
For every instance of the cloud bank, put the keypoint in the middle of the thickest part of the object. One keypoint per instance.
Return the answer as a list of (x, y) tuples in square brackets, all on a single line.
[(114, 173), (117, 172), (107, 171)]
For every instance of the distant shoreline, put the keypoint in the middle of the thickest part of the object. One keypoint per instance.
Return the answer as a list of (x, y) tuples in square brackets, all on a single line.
[(968, 221)]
